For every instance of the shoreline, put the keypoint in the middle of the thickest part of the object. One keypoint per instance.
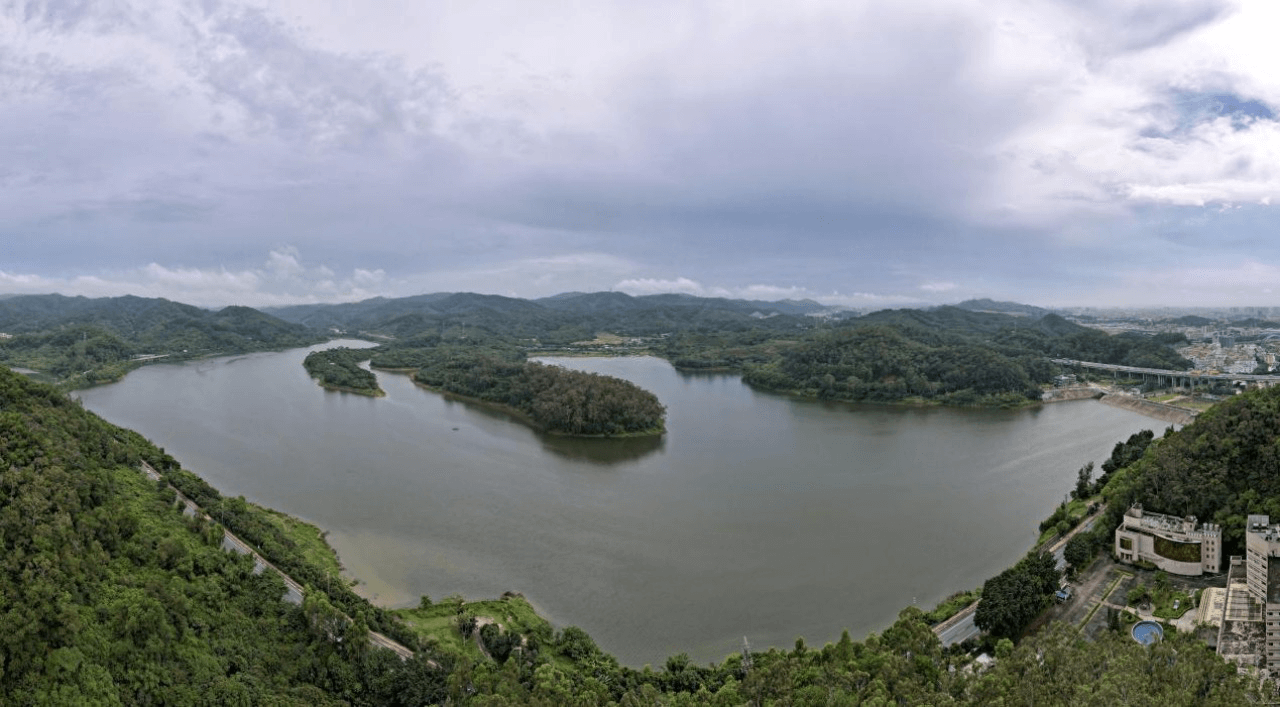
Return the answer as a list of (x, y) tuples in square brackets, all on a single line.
[(378, 393), (908, 402)]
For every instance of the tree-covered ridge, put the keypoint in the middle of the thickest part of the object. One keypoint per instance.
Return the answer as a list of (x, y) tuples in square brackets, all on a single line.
[(81, 341), (946, 355), (110, 595), (884, 364), (554, 398), (339, 369)]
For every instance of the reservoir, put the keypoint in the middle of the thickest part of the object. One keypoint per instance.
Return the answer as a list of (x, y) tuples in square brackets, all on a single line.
[(756, 515)]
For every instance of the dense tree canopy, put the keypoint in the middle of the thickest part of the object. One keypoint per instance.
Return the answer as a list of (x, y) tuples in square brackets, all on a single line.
[(947, 355), (556, 399), (339, 368), (110, 595), (1013, 598)]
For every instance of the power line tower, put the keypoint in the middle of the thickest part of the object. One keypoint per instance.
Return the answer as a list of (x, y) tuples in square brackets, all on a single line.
[(746, 656)]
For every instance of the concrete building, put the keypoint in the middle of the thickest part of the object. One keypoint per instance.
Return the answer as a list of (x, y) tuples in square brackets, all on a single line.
[(1175, 545), (1262, 573)]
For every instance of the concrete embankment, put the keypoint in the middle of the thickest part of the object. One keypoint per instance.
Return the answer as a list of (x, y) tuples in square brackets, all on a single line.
[(1150, 408), (1058, 395)]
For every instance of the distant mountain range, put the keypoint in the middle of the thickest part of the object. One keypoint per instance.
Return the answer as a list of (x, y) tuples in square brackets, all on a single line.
[(77, 341), (564, 317), (140, 318), (988, 305)]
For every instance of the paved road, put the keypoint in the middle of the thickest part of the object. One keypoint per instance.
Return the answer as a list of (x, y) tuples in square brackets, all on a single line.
[(293, 590), (958, 630)]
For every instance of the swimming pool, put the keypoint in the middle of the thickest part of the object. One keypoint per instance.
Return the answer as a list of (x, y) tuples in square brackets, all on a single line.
[(1147, 632)]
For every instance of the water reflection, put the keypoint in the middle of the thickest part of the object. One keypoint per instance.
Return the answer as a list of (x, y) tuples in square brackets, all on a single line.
[(603, 452)]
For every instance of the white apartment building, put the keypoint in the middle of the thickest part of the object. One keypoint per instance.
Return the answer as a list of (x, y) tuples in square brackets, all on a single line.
[(1175, 545)]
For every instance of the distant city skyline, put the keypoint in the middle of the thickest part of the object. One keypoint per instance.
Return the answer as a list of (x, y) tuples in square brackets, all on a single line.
[(275, 152)]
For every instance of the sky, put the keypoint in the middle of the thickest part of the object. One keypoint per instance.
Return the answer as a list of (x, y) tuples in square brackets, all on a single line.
[(863, 154)]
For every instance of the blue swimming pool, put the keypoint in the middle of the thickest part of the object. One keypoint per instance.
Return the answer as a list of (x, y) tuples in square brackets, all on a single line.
[(1147, 632)]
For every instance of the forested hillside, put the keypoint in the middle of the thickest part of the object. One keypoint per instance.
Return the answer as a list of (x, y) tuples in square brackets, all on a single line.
[(79, 341), (558, 320), (112, 596), (947, 355)]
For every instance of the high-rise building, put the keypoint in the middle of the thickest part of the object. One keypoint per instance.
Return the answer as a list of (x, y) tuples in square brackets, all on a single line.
[(1262, 573)]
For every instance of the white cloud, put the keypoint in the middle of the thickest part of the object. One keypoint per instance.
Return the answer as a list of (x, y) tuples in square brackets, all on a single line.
[(282, 279), (481, 145), (938, 286), (653, 286), (767, 293)]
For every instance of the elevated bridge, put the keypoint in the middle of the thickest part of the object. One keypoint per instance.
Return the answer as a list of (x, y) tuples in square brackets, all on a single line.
[(1172, 379)]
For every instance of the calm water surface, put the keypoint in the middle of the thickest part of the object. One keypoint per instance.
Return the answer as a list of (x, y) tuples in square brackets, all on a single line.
[(755, 515)]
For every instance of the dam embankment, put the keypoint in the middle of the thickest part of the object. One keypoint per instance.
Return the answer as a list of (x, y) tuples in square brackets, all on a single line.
[(1059, 395), (1150, 408)]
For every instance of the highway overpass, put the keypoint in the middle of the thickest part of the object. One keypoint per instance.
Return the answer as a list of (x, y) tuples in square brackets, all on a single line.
[(1172, 379)]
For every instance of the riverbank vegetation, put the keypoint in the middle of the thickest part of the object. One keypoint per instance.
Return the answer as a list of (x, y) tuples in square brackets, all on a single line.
[(339, 369), (952, 605), (1014, 598)]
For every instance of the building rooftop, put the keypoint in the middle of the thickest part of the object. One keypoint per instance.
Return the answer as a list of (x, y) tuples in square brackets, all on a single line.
[(1169, 524)]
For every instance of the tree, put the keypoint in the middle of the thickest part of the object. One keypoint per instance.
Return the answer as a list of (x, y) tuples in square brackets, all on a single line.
[(1079, 551), (1004, 648), (1084, 482), (1013, 598)]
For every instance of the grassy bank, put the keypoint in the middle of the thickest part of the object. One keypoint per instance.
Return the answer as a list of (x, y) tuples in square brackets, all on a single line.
[(309, 539)]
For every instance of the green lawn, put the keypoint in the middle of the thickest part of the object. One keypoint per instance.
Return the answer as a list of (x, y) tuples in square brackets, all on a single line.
[(438, 623)]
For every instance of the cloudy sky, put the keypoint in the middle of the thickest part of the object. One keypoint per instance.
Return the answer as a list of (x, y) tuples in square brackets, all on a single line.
[(1085, 152)]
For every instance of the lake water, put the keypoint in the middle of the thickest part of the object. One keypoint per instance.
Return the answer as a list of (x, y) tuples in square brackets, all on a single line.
[(755, 515)]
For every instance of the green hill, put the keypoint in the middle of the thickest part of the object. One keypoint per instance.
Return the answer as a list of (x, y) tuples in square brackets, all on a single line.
[(79, 341)]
